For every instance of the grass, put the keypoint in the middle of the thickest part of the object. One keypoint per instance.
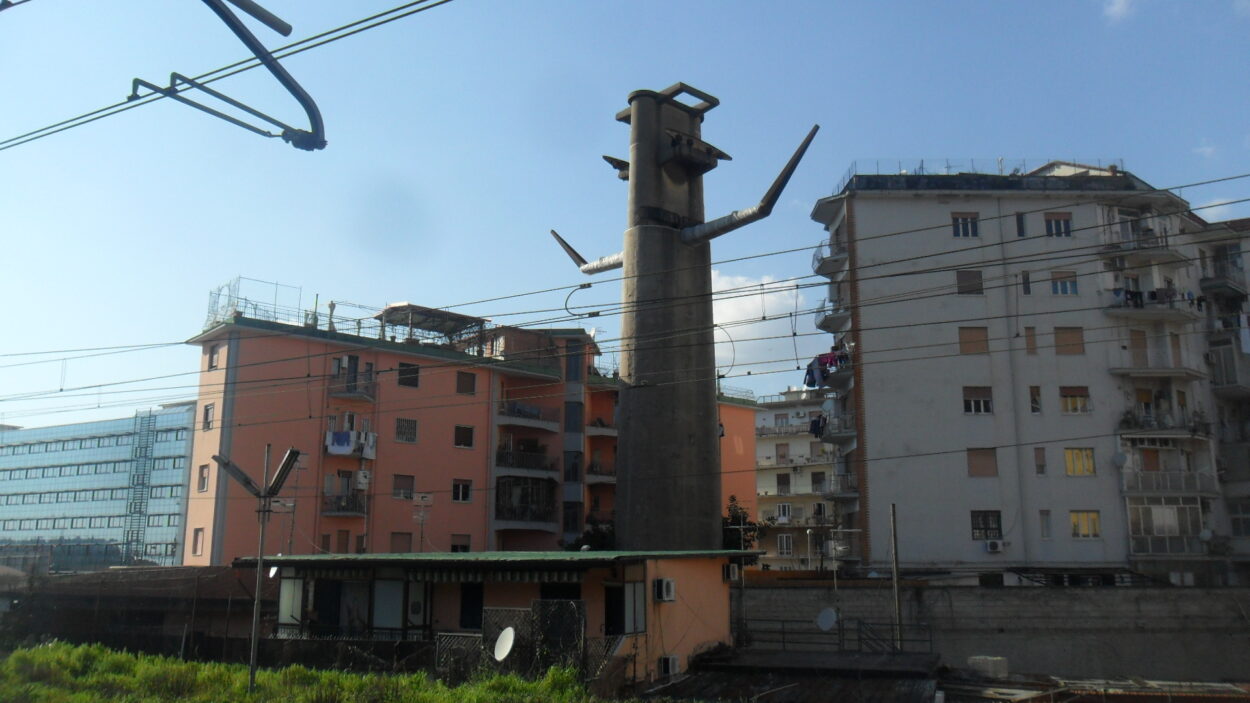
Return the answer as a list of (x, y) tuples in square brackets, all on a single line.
[(65, 673)]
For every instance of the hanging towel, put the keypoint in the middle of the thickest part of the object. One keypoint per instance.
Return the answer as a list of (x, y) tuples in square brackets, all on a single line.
[(340, 443)]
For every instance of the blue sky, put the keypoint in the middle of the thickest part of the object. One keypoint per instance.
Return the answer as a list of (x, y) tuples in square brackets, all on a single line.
[(458, 137)]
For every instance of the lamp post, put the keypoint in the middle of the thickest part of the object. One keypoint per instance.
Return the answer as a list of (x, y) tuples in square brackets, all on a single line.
[(265, 497)]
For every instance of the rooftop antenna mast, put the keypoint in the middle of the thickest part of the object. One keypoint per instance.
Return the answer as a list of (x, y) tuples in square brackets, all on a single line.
[(668, 482), (310, 139)]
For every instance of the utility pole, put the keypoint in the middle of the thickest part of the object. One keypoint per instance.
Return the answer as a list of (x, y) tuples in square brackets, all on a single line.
[(264, 497), (668, 479), (898, 607)]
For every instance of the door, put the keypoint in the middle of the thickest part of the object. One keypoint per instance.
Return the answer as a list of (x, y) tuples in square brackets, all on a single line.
[(1138, 348), (1149, 459), (1145, 402), (1176, 350)]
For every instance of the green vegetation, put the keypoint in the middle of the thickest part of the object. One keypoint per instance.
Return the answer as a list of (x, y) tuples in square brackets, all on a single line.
[(64, 673)]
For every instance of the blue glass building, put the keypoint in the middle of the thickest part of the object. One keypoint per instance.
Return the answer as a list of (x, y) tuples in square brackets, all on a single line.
[(96, 494)]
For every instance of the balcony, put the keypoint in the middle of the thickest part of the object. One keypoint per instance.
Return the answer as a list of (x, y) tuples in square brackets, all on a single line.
[(597, 472), (1159, 305), (1175, 425), (1143, 245), (1226, 279), (1156, 482), (768, 462), (842, 486), (348, 505), (1140, 545), (514, 516), (832, 315), (528, 463), (1230, 371), (360, 386), (782, 430), (363, 445), (600, 428), (829, 258), (517, 414), (1139, 364), (840, 429)]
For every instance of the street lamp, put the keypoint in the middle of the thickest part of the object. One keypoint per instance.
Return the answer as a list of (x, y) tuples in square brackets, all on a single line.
[(265, 498)]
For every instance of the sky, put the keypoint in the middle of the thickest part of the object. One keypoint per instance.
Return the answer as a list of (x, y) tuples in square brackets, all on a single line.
[(460, 135)]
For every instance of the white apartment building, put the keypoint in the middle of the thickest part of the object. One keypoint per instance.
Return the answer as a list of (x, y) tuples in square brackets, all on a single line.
[(1026, 375), (803, 493)]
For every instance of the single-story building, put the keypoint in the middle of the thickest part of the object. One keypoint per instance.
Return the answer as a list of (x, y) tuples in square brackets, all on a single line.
[(644, 614)]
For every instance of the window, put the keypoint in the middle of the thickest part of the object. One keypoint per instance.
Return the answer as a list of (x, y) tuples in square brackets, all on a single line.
[(325, 544), (461, 543), (1026, 287), (401, 542), (209, 412), (1085, 524), (574, 414), (466, 383), (1063, 283), (1035, 399), (1058, 224), (987, 524), (1069, 340), (464, 436), (1079, 461), (785, 544), (405, 430), (461, 490), (968, 282), (783, 513), (1020, 230), (1074, 400), (964, 224), (781, 419), (783, 484), (197, 541), (156, 521), (402, 486), (1039, 460), (974, 340), (1043, 523), (1030, 340), (201, 482), (978, 400), (214, 356), (342, 541), (1239, 515), (572, 517), (408, 375), (982, 463)]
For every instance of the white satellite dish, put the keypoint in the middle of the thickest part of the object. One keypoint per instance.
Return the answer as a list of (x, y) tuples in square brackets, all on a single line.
[(1119, 459), (503, 645), (273, 570), (827, 619)]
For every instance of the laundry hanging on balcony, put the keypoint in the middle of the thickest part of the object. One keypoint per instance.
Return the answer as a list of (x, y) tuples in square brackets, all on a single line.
[(817, 426), (340, 443)]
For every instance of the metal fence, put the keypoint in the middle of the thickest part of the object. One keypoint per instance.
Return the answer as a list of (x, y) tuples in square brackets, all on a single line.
[(848, 635)]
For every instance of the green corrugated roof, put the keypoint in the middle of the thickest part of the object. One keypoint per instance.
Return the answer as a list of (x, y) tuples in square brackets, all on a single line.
[(486, 559)]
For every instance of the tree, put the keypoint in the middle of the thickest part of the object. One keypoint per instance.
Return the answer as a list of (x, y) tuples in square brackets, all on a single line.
[(739, 530)]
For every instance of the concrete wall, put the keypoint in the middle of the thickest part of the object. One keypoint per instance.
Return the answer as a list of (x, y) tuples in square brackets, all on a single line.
[(1158, 633)]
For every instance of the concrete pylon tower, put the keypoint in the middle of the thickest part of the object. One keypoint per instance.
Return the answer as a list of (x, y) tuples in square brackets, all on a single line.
[(668, 454)]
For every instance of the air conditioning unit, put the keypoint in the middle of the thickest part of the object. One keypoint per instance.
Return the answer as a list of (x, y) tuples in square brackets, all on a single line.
[(669, 665), (994, 546), (731, 572), (664, 590)]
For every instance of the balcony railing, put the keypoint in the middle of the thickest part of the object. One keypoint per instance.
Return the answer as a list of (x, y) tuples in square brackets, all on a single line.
[(525, 513), (842, 484), (525, 460), (831, 315), (348, 504), (778, 430), (1178, 544), (769, 462), (515, 408), (599, 468), (1139, 420), (359, 385), (1169, 482), (828, 257)]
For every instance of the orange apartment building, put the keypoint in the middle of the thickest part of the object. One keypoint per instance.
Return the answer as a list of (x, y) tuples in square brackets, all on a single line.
[(421, 430)]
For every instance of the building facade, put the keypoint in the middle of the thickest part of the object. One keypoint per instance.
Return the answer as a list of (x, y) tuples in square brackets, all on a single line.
[(91, 495), (805, 494), (1022, 369), (421, 430)]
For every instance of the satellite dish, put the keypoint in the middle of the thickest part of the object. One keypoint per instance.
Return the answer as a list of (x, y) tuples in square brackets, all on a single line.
[(827, 619), (1206, 535), (273, 570), (503, 645), (1119, 459)]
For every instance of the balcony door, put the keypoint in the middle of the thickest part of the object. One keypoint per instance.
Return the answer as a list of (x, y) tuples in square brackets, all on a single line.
[(1138, 348), (1149, 459)]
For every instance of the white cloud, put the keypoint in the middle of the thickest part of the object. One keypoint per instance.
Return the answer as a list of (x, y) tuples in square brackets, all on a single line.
[(1206, 151), (1217, 213), (741, 313), (1116, 10)]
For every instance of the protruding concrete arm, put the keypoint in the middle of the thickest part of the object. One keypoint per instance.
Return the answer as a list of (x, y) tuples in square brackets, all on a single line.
[(697, 234), (606, 263)]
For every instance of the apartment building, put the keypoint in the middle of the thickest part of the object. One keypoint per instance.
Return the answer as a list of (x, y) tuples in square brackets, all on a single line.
[(91, 495), (421, 430), (1022, 368), (805, 494)]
